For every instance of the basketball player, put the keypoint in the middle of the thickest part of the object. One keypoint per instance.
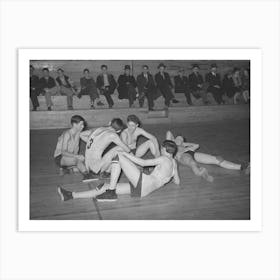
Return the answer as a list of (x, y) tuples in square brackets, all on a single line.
[(188, 156), (130, 135), (97, 141), (140, 184), (67, 148)]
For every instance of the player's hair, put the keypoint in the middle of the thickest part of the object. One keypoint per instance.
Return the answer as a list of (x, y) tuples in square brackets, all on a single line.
[(46, 69), (86, 70), (60, 69), (77, 119), (170, 147), (135, 119), (145, 66), (117, 124), (104, 66)]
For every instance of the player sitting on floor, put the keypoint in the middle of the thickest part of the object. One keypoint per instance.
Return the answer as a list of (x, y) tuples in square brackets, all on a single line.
[(67, 148), (188, 156), (140, 184), (97, 140), (130, 135)]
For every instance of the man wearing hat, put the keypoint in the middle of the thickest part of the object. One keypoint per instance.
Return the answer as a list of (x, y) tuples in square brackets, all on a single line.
[(182, 85), (196, 84), (34, 88), (127, 86), (146, 87), (214, 84), (164, 84), (106, 83)]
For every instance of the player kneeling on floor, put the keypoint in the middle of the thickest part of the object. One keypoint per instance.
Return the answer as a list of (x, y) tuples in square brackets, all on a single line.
[(66, 154)]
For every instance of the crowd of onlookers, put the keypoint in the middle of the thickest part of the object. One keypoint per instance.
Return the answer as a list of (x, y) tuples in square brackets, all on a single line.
[(235, 85)]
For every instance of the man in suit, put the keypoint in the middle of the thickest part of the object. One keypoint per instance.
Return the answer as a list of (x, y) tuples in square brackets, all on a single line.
[(182, 85), (34, 88), (146, 88), (48, 87), (106, 83), (214, 84), (196, 84), (165, 86), (66, 87), (127, 86)]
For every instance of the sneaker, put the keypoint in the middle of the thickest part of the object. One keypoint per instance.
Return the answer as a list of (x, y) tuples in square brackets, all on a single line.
[(105, 175), (109, 195), (49, 108), (64, 194), (92, 106), (99, 103), (89, 177), (175, 101)]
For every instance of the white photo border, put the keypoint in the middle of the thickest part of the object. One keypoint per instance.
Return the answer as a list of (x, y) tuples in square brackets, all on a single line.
[(255, 222)]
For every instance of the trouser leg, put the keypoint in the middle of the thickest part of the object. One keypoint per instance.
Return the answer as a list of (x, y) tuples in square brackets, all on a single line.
[(150, 100), (34, 99), (48, 99), (108, 98), (188, 96)]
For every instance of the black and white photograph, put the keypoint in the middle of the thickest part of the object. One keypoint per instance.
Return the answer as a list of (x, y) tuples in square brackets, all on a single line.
[(143, 139), (140, 139)]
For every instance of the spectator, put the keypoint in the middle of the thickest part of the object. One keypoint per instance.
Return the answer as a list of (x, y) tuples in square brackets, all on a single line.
[(48, 87), (196, 84), (146, 88), (88, 87), (214, 84), (66, 87), (165, 86), (237, 85), (246, 85), (34, 88), (106, 83), (228, 85), (127, 86), (182, 85)]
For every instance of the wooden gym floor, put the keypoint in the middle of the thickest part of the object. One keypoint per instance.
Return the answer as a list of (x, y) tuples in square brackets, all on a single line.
[(227, 198)]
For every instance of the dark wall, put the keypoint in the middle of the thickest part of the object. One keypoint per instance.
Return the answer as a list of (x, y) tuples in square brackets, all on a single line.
[(74, 68)]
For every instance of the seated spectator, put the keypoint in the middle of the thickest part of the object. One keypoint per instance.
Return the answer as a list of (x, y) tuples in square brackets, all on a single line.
[(237, 85), (34, 88), (146, 88), (48, 87), (196, 84), (66, 87), (165, 86), (228, 85), (88, 87), (106, 83), (214, 84), (246, 85), (127, 86), (182, 85)]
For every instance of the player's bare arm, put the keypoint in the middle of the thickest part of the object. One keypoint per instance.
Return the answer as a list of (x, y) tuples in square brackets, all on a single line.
[(116, 139), (143, 162)]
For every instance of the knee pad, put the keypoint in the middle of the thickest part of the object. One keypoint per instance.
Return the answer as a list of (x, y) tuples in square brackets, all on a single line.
[(219, 159)]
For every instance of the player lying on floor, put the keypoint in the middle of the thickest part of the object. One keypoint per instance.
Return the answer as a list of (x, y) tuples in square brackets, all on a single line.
[(140, 184), (133, 131), (188, 156), (66, 154), (97, 140)]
